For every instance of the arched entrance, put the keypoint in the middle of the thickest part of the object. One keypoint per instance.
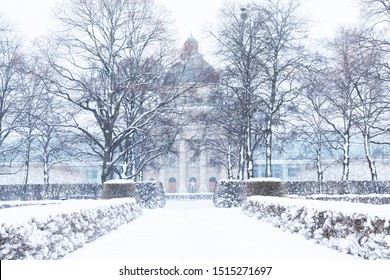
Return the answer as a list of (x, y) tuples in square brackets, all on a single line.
[(212, 184), (172, 185), (192, 185)]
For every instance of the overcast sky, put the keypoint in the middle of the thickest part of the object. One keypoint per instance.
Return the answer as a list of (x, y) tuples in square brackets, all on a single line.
[(32, 17)]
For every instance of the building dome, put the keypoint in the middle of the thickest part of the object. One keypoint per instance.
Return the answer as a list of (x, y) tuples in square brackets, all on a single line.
[(191, 44), (191, 40), (192, 67)]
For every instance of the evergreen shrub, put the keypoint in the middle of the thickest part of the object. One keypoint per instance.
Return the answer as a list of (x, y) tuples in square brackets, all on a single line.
[(151, 194), (265, 187), (229, 193), (120, 189)]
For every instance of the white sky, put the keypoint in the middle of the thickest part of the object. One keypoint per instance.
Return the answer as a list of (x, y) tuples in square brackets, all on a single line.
[(32, 17)]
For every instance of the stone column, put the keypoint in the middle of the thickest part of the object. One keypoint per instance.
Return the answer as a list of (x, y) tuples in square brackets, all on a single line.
[(181, 184), (203, 180), (162, 179)]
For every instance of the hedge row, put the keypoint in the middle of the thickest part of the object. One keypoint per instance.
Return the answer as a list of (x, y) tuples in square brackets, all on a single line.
[(59, 234), (369, 199), (232, 193), (337, 187), (354, 233), (17, 203), (189, 196), (149, 193), (94, 191), (50, 192)]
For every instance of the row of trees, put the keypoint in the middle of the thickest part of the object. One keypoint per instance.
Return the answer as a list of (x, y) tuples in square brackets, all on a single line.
[(97, 88), (274, 90)]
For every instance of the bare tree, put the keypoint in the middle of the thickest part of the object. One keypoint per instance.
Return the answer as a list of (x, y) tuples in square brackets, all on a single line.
[(261, 46), (31, 89), (311, 129), (10, 105), (109, 54), (378, 9), (284, 59), (341, 98), (224, 119), (372, 103), (241, 47), (54, 142)]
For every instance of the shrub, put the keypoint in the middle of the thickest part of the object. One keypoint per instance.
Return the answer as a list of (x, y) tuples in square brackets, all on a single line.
[(229, 193), (151, 194), (50, 192), (265, 187), (119, 189), (360, 232), (65, 228)]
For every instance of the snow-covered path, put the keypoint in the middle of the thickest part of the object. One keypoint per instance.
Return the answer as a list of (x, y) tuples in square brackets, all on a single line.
[(188, 230)]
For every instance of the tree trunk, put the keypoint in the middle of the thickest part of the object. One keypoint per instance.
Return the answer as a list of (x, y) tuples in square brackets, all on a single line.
[(320, 172), (241, 166), (107, 172), (268, 149), (46, 169), (249, 155), (346, 148), (370, 160), (229, 162)]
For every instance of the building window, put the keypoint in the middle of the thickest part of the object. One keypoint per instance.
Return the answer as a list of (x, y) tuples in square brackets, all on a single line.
[(193, 161), (292, 172), (213, 163), (172, 162), (276, 171), (92, 174)]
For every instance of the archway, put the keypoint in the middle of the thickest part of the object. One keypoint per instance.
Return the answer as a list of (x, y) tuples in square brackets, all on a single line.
[(192, 185), (212, 184), (172, 185)]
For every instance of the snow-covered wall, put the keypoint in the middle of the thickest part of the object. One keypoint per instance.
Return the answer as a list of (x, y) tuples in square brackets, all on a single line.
[(51, 231), (358, 229)]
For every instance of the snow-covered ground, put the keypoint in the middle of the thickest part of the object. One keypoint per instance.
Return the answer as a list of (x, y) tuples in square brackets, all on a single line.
[(189, 230), (191, 234)]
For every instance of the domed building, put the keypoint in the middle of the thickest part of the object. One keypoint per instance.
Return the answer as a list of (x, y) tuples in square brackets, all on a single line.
[(190, 168), (191, 67)]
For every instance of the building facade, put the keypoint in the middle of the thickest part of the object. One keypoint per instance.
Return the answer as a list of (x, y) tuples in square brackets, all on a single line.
[(189, 168)]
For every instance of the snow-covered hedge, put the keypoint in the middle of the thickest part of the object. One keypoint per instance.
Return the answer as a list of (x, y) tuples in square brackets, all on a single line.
[(265, 186), (52, 231), (120, 188), (151, 194), (45, 192), (9, 204), (371, 199), (229, 193), (189, 196), (337, 187), (357, 229)]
